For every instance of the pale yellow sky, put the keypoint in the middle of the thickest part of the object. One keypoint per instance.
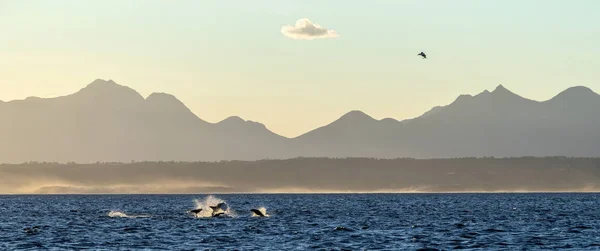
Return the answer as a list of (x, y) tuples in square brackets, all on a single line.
[(223, 61)]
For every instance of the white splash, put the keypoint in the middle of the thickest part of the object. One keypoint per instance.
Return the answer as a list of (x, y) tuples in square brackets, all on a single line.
[(118, 214), (209, 201)]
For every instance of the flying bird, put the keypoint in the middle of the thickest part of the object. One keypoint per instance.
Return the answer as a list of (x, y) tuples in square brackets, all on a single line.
[(422, 54)]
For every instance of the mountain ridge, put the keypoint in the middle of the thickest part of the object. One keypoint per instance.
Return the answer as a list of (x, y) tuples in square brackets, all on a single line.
[(105, 121), (354, 114)]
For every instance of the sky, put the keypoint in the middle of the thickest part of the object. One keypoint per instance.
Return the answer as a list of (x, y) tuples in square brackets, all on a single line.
[(246, 58)]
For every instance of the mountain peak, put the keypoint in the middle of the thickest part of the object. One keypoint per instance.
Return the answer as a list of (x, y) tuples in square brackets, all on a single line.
[(390, 120), (484, 93), (235, 122), (578, 90), (356, 115), (167, 103), (503, 94), (500, 89), (232, 120), (576, 93), (101, 82), (463, 97), (109, 89), (163, 97)]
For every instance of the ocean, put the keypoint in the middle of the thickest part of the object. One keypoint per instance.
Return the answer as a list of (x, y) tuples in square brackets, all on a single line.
[(507, 221)]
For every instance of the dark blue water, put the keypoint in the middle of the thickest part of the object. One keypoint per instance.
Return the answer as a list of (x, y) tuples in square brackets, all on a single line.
[(301, 222)]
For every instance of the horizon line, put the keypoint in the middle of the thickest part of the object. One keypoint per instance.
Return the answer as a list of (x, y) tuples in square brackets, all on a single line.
[(287, 159), (320, 193)]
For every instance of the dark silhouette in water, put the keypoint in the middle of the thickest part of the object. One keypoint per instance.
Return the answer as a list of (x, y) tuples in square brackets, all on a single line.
[(196, 211), (422, 54), (31, 230), (219, 209), (257, 212), (217, 214)]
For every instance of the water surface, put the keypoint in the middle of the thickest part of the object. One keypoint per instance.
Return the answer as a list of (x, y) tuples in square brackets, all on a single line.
[(301, 222)]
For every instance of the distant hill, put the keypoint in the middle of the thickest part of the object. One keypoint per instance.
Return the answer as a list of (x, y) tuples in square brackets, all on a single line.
[(498, 123), (108, 122)]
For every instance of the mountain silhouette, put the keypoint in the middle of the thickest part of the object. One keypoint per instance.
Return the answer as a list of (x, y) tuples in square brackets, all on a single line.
[(355, 134), (106, 121), (498, 123)]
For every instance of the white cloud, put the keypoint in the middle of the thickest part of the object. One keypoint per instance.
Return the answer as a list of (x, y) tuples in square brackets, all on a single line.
[(307, 30)]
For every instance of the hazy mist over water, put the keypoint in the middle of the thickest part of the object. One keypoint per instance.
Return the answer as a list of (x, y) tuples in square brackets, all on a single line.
[(308, 175)]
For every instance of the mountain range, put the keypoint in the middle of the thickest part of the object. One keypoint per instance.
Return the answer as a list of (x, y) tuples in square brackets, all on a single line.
[(109, 122)]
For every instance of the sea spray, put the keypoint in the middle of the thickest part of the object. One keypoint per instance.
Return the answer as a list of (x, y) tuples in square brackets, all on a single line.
[(119, 214), (209, 201)]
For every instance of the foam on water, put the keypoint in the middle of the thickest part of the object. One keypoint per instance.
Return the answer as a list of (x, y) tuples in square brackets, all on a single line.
[(209, 201), (119, 214)]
